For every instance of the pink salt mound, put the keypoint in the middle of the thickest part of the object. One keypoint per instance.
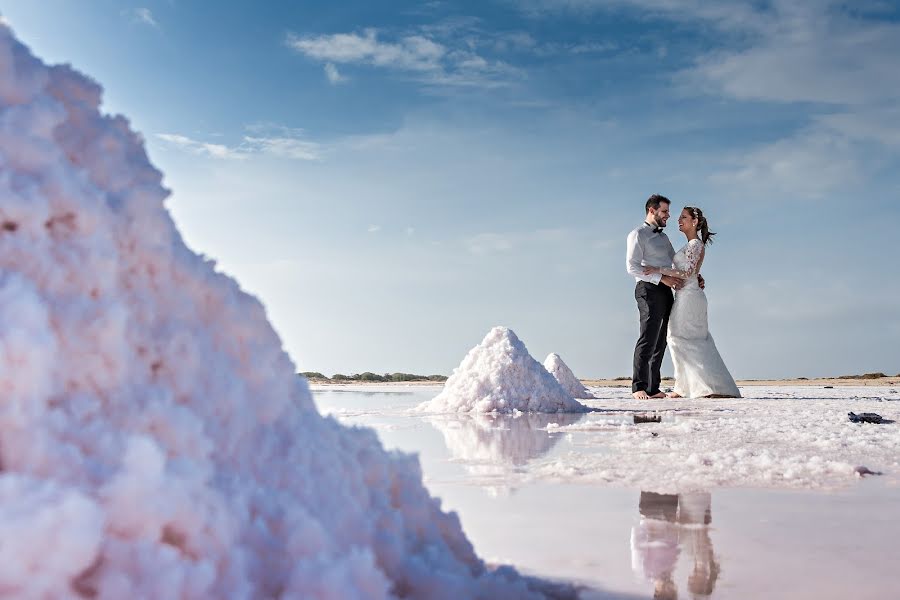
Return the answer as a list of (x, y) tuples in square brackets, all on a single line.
[(566, 378), (155, 440)]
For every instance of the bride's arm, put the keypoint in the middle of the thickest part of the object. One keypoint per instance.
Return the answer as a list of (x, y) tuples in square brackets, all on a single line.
[(694, 255)]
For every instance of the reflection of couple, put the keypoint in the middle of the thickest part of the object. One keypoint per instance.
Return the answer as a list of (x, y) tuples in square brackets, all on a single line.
[(669, 523), (681, 319)]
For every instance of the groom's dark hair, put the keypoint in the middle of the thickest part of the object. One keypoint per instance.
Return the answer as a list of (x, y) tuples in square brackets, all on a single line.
[(655, 200)]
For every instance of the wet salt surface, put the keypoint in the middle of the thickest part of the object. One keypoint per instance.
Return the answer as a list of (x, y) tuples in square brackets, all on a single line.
[(745, 498)]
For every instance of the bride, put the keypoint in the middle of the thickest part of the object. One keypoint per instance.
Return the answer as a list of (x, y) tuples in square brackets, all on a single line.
[(699, 370)]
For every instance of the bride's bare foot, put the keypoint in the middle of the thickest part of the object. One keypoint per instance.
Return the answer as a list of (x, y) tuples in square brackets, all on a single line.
[(673, 395), (658, 395), (640, 395)]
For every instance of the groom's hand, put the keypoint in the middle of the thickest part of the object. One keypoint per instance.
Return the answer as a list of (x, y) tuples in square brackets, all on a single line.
[(701, 282), (672, 282)]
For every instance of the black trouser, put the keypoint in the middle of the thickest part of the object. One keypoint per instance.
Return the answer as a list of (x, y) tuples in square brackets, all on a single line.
[(654, 303)]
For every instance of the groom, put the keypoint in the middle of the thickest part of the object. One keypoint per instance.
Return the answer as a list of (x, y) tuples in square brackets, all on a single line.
[(648, 245)]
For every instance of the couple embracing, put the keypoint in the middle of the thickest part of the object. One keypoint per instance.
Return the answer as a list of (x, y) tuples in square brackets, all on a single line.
[(672, 307)]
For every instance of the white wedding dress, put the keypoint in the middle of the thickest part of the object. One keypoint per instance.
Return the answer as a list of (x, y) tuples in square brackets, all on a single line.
[(699, 369)]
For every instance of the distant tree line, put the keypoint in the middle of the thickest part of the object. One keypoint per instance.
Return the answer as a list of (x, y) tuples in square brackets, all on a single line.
[(369, 377), (865, 376)]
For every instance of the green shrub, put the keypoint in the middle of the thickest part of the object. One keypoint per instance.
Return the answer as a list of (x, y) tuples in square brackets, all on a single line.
[(367, 376), (874, 376), (374, 377), (395, 377), (313, 375), (864, 376)]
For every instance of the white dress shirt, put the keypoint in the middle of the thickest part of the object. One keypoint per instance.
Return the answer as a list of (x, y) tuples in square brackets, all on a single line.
[(647, 248)]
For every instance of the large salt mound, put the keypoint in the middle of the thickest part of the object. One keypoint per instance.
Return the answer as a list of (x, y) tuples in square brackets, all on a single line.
[(499, 375), (155, 440), (566, 378)]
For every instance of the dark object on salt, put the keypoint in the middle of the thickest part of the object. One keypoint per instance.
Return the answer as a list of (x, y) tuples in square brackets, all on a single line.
[(864, 417), (647, 418), (829, 387), (862, 471), (654, 434)]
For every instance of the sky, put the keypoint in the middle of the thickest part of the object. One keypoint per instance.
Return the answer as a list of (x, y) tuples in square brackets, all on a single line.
[(392, 179)]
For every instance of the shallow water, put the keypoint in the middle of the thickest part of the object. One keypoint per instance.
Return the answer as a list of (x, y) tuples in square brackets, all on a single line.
[(749, 498)]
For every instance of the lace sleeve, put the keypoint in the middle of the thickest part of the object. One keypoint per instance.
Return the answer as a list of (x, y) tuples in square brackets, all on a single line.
[(694, 255)]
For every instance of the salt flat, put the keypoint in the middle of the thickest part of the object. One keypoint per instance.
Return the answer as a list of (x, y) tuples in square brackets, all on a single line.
[(599, 500)]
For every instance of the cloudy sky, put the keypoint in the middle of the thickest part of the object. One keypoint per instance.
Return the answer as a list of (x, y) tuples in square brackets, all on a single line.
[(394, 178)]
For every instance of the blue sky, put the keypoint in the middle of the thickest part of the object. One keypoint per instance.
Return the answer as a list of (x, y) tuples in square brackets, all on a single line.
[(394, 178)]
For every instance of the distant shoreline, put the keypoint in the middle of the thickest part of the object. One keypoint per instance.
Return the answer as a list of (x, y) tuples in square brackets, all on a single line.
[(814, 382)]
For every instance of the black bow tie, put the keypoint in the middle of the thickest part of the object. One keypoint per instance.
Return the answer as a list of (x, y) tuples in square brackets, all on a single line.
[(655, 229)]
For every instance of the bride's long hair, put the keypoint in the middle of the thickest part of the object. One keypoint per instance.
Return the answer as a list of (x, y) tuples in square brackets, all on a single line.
[(702, 225)]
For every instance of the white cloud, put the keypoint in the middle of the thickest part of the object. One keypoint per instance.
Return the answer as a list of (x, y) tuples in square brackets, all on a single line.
[(840, 59), (374, 228), (414, 53), (144, 16), (268, 140), (807, 165), (822, 59), (470, 34), (420, 54), (722, 13), (787, 51), (197, 147), (284, 147), (334, 76), (882, 125), (782, 51), (514, 41), (818, 54), (593, 47)]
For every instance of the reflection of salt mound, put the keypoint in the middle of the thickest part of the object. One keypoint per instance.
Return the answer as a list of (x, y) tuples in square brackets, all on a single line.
[(493, 447), (155, 440), (501, 440), (499, 375), (566, 378)]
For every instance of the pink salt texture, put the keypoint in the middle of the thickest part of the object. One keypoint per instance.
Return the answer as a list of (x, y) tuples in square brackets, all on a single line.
[(155, 441)]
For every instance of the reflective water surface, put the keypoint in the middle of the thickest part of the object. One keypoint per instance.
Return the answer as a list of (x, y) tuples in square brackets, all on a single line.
[(506, 479)]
